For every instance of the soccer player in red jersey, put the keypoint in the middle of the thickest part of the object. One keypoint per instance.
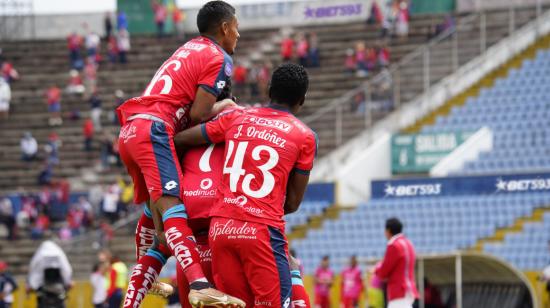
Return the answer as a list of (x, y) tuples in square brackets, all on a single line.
[(268, 156), (183, 92)]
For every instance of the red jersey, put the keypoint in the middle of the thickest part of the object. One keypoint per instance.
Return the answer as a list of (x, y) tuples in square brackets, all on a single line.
[(202, 169), (262, 146), (170, 94)]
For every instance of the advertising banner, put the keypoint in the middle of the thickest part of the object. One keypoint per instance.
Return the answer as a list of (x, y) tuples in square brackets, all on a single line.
[(457, 186)]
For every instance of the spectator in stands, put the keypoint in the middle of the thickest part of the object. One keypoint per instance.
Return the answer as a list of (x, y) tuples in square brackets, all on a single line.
[(108, 25), (109, 151), (75, 85), (376, 16), (302, 49), (263, 77), (76, 219), (45, 176), (397, 267), (99, 282), (65, 233), (90, 77), (383, 54), (88, 133), (447, 24), (40, 227), (358, 104), (160, 13), (52, 149), (239, 78), (123, 45), (252, 80), (7, 217), (29, 147), (352, 284), (95, 110), (5, 97), (92, 46), (314, 50), (287, 48), (119, 100), (361, 60), (117, 278), (121, 21), (74, 42), (7, 286), (8, 72), (371, 59), (178, 16), (349, 63), (53, 99), (112, 49), (402, 19), (110, 202), (324, 278)]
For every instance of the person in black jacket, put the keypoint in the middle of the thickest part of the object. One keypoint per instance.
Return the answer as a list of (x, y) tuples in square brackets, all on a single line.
[(7, 286)]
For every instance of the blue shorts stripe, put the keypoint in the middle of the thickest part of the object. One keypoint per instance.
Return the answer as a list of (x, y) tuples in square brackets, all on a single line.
[(147, 212), (177, 211), (278, 244), (157, 255), (167, 167)]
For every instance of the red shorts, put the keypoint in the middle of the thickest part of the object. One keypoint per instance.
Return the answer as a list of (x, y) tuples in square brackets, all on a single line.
[(250, 261), (200, 231), (147, 149)]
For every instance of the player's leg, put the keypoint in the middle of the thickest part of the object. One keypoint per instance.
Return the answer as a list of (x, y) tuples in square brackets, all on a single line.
[(267, 268), (227, 267), (145, 232)]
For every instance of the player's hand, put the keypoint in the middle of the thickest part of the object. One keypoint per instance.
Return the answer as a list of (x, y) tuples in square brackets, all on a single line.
[(294, 264)]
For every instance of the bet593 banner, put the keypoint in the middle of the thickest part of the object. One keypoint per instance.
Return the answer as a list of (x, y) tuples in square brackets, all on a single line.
[(418, 153)]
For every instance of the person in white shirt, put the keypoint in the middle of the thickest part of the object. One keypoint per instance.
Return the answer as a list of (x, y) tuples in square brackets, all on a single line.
[(99, 286), (5, 97), (29, 147), (92, 44)]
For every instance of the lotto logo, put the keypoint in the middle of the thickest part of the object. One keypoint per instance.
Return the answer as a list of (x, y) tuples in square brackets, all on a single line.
[(170, 185), (220, 84), (287, 302)]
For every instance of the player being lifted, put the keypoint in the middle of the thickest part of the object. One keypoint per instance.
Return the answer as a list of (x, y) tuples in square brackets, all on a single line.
[(268, 156), (182, 93)]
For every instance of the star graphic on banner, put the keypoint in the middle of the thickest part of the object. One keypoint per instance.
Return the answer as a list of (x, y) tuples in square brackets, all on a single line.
[(309, 12), (390, 190), (501, 185)]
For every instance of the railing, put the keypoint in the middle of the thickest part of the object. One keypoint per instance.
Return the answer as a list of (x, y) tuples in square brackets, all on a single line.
[(416, 72)]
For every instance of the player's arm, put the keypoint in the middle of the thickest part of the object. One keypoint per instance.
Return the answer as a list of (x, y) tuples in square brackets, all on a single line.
[(296, 187), (206, 133), (205, 106), (189, 138)]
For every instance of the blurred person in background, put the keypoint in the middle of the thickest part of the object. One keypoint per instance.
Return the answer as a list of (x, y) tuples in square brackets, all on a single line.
[(352, 284), (75, 85), (74, 41), (99, 286), (313, 50), (95, 110), (88, 133), (240, 75), (302, 49), (7, 286), (112, 49), (287, 48), (7, 218), (160, 13), (432, 296), (90, 77), (41, 225), (117, 278), (107, 26), (91, 42), (324, 278), (52, 149), (178, 16), (50, 275), (121, 21), (402, 19), (349, 63), (5, 98), (110, 202), (361, 60), (29, 147), (397, 267), (8, 72), (53, 99), (123, 45), (119, 100)]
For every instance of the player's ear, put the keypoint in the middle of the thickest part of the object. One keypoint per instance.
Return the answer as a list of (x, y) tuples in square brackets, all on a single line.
[(224, 28), (302, 101)]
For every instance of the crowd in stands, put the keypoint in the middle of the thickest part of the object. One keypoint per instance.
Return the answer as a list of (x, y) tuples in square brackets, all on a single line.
[(251, 80), (303, 48), (394, 24), (362, 59), (161, 13)]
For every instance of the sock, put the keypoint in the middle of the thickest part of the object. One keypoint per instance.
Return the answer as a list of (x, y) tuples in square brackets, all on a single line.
[(145, 233), (145, 273), (299, 294), (181, 243)]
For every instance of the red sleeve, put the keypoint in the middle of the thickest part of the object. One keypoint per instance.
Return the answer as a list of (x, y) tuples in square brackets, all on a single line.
[(389, 262), (112, 283), (304, 164), (214, 130), (299, 299), (215, 74)]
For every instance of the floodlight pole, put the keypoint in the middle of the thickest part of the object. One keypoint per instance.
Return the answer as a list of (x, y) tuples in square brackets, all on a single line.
[(458, 280)]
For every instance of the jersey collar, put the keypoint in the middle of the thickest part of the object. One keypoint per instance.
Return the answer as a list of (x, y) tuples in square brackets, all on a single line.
[(213, 41)]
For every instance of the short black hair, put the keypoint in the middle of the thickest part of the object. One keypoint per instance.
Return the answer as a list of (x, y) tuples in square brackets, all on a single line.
[(289, 84), (212, 14), (394, 226)]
